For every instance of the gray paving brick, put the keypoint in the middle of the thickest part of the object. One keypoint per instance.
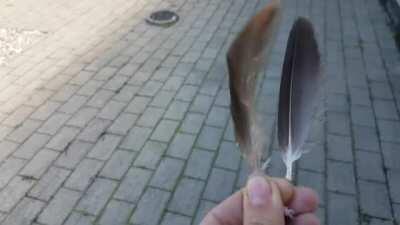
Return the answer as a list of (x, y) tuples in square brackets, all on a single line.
[(165, 130), (209, 138), (390, 155), (117, 213), (152, 199), (76, 218), (341, 177), (201, 104), (186, 93), (218, 117), (83, 174), (25, 212), (100, 98), (337, 103), (73, 104), (105, 74), (223, 98), (380, 90), (126, 93), (14, 192), (59, 207), (396, 209), (73, 154), (195, 78), (204, 207), (139, 78), (96, 196), (122, 124), (133, 185), (312, 180), (9, 168), (18, 116), (116, 83), (385, 110), (64, 93), (209, 87), (63, 138), (338, 123), (339, 148), (167, 173), (105, 147), (129, 69), (219, 178), (4, 131), (136, 138), (39, 164), (111, 110), (174, 219), (186, 196), (181, 145), (150, 88), (82, 117), (388, 130), (45, 110), (118, 164), (243, 174), (138, 104), (374, 199), (81, 78), (162, 74), (150, 155), (24, 131), (192, 123), (176, 110), (229, 132), (343, 205), (54, 123), (228, 156), (150, 117), (162, 99), (394, 185), (49, 183), (90, 88), (94, 130), (183, 69), (31, 146), (365, 138), (362, 115), (369, 166)]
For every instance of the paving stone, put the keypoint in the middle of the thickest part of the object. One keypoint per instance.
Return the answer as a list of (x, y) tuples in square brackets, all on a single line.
[(338, 123), (150, 117), (118, 164), (181, 145), (31, 146), (82, 117), (369, 166), (385, 110), (126, 93), (96, 196), (396, 209), (209, 138), (183, 69), (339, 148), (94, 130), (122, 124), (117, 213), (152, 199), (337, 103), (192, 123), (116, 83), (73, 104), (341, 177), (90, 88), (314, 181), (362, 115), (186, 93), (39, 164), (133, 185), (100, 99), (380, 90), (150, 155), (4, 131), (223, 98), (49, 183), (73, 154), (219, 178), (365, 138), (83, 174), (24, 131), (186, 196), (104, 147), (167, 173), (165, 130), (136, 138), (162, 74), (394, 185), (162, 99), (388, 130), (343, 205), (243, 175), (105, 74), (14, 192), (64, 93), (45, 110), (79, 219), (201, 104), (9, 168), (138, 104), (176, 110), (150, 88), (390, 155), (218, 117), (174, 219), (25, 212), (54, 123), (59, 207), (63, 138), (81, 78), (111, 110), (204, 207), (209, 87), (374, 199), (139, 78), (229, 134), (228, 156), (18, 116)]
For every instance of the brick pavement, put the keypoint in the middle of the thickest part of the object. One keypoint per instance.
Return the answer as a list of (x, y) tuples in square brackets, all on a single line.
[(108, 120)]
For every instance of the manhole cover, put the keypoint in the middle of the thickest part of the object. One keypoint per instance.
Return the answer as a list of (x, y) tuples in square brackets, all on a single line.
[(163, 18)]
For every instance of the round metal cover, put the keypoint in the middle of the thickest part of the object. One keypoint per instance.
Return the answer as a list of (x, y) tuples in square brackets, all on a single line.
[(163, 18)]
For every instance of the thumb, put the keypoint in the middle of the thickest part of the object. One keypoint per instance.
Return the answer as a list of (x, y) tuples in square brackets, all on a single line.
[(262, 203)]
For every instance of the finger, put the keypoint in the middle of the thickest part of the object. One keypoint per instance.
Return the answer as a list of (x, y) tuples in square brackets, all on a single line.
[(305, 219), (304, 200), (262, 203), (286, 189), (228, 212)]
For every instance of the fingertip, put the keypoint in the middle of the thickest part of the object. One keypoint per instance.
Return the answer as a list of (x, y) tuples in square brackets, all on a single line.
[(306, 219), (286, 189), (305, 200)]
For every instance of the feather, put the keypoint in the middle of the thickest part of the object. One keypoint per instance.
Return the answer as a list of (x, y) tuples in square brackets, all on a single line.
[(244, 58), (301, 76)]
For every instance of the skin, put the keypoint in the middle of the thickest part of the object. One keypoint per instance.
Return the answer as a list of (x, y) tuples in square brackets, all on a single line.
[(239, 210)]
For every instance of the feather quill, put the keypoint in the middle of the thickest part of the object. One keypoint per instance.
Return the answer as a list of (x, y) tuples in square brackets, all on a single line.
[(244, 58), (301, 76)]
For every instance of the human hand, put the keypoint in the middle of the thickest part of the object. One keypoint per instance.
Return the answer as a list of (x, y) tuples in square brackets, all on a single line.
[(262, 202)]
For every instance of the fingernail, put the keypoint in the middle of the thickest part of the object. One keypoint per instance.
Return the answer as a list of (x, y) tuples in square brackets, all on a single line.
[(259, 191)]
